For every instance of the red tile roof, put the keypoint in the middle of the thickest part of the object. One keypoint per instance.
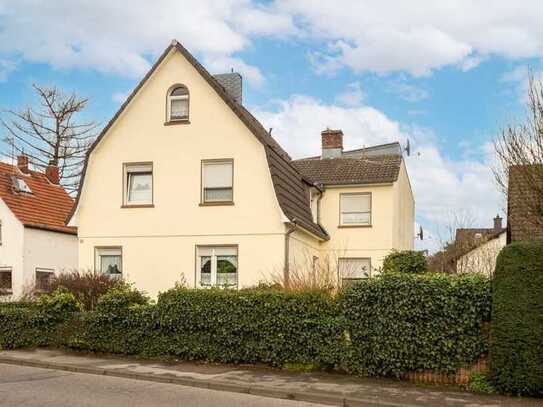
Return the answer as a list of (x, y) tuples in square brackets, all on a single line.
[(45, 208)]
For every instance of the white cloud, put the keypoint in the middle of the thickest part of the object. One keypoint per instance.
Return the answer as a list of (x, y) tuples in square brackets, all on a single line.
[(352, 96), (519, 76), (407, 92), (115, 37), (119, 97), (6, 67), (441, 185), (418, 37)]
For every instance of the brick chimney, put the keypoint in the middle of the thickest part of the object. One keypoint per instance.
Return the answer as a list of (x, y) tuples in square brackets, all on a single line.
[(332, 143), (52, 173), (22, 163), (497, 223)]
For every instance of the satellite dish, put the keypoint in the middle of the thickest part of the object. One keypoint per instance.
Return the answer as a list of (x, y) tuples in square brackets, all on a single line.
[(420, 235), (407, 149)]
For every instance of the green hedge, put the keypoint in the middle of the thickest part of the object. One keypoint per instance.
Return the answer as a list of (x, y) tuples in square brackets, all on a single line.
[(516, 350), (31, 325), (405, 261), (227, 326), (402, 322)]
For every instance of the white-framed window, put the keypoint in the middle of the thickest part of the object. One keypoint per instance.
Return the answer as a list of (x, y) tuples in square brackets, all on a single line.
[(353, 269), (6, 284), (44, 276), (355, 209), (178, 103), (138, 184), (109, 260), (20, 185), (217, 181), (217, 266)]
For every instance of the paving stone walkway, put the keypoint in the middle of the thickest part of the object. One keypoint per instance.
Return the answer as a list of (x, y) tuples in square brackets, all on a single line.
[(322, 388)]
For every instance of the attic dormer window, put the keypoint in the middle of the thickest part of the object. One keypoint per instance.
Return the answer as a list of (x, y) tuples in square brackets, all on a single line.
[(178, 104), (20, 185)]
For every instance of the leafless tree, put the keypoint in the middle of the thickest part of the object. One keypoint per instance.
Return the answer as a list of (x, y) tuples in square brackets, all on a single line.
[(50, 132), (520, 148)]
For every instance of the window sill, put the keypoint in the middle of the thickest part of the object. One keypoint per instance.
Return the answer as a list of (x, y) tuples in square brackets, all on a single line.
[(225, 203), (138, 206), (353, 226), (174, 122)]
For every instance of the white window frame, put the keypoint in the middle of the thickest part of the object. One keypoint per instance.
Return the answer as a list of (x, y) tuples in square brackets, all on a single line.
[(171, 99), (8, 291), (104, 251), (343, 279), (44, 270), (341, 212), (203, 189), (214, 252), (130, 169)]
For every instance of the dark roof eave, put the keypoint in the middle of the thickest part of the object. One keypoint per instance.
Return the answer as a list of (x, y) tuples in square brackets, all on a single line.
[(48, 228)]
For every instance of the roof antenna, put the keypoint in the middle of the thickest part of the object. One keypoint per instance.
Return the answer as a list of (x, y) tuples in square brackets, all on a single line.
[(420, 235), (407, 149), (271, 128), (232, 70)]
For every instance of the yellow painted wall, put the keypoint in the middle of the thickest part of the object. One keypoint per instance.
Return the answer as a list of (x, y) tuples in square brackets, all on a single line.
[(404, 212), (159, 243)]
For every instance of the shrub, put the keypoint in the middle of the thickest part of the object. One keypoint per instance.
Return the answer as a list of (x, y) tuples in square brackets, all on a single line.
[(120, 298), (480, 383), (405, 261), (221, 326), (516, 349), (87, 287), (36, 325), (403, 322)]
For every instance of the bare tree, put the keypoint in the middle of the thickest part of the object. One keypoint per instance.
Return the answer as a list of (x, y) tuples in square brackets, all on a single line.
[(520, 148), (51, 134)]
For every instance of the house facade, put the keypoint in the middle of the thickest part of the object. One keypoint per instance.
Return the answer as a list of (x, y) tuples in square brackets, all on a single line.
[(34, 241), (478, 248), (185, 185)]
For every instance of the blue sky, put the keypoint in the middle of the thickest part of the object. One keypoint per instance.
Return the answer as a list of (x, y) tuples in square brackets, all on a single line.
[(445, 75)]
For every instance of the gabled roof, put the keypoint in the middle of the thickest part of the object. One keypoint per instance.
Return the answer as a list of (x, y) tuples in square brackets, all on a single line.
[(375, 169), (290, 188), (45, 208)]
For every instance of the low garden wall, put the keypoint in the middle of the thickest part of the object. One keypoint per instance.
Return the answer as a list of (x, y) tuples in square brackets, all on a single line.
[(387, 326)]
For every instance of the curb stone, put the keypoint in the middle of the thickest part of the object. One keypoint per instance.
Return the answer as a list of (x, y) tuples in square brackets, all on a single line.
[(263, 391)]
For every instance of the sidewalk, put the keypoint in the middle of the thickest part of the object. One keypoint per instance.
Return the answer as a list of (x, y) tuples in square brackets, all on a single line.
[(320, 388)]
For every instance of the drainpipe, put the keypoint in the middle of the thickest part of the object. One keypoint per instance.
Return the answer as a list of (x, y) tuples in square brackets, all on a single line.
[(320, 188), (291, 227)]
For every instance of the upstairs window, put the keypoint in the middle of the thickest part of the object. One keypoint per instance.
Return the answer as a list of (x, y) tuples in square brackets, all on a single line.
[(217, 182), (5, 281), (138, 184), (355, 209), (109, 261), (20, 185), (178, 104)]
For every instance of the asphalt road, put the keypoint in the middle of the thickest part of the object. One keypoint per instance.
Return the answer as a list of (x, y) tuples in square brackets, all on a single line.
[(29, 387)]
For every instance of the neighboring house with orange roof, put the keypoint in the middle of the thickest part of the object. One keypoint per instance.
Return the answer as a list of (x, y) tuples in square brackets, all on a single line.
[(35, 243), (185, 184)]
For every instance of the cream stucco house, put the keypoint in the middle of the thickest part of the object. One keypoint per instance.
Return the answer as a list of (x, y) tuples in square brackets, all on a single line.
[(34, 241), (185, 184)]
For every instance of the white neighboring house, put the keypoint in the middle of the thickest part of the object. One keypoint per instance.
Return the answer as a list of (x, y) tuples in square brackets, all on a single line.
[(34, 241), (480, 248)]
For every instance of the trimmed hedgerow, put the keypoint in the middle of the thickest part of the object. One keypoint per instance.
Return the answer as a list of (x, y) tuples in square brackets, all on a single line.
[(221, 326), (516, 348), (35, 325), (402, 322), (405, 261)]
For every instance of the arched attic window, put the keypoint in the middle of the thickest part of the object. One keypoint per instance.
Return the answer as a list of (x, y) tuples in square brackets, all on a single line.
[(178, 103)]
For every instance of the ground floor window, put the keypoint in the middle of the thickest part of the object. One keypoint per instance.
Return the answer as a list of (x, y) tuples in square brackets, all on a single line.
[(353, 269), (109, 260), (217, 266), (44, 277), (6, 287)]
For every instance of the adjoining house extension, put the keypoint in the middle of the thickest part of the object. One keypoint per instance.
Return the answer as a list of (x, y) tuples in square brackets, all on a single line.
[(34, 241), (185, 184)]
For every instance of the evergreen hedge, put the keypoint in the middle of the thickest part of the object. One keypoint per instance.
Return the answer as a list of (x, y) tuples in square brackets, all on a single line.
[(404, 322), (405, 261), (516, 349)]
